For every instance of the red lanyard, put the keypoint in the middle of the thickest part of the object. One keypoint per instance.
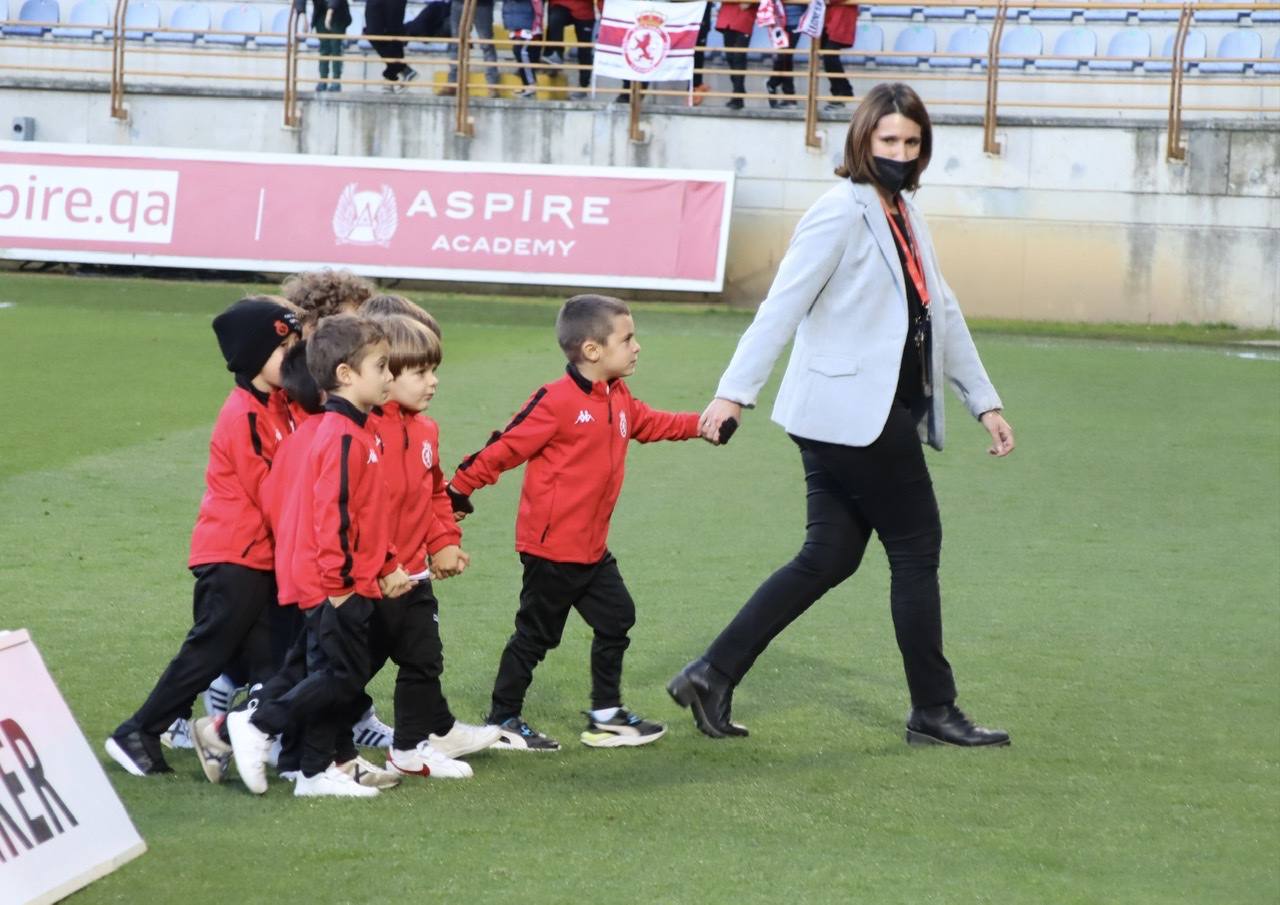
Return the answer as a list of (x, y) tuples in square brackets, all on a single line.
[(915, 261)]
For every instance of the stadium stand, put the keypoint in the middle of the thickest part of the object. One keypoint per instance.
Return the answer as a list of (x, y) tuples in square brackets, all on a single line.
[(1080, 43), (1129, 47), (1270, 68), (1196, 49), (242, 18), (1018, 45), (88, 20), (141, 20), (915, 39), (187, 23), (34, 18), (1232, 49), (972, 41)]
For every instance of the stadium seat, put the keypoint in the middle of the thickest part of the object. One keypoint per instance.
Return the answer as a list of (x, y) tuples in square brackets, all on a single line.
[(240, 18), (141, 19), (1158, 15), (1134, 43), (1231, 15), (1242, 43), (1018, 44), (972, 40), (959, 11), (1080, 43), (38, 12), (1270, 68), (868, 39), (1196, 48), (1265, 16), (912, 39), (1011, 16), (891, 11), (88, 19), (1053, 15), (356, 29), (1109, 15), (275, 36), (189, 21)]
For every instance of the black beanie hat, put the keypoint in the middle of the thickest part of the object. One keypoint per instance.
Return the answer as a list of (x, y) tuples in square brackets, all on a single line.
[(250, 330)]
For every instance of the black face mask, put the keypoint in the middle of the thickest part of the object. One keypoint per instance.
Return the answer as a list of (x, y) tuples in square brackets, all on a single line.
[(892, 175)]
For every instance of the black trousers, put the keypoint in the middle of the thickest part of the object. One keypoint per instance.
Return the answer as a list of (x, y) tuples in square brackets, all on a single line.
[(738, 59), (785, 64), (406, 630), (337, 666), (230, 610), (840, 86), (852, 491), (699, 55), (550, 591), (558, 19), (386, 17)]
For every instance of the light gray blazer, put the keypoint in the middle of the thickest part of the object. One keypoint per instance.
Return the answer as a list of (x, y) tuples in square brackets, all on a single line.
[(840, 292)]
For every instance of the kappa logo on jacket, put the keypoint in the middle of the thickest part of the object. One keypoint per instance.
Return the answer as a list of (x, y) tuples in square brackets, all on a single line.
[(373, 457), (428, 459), (584, 417)]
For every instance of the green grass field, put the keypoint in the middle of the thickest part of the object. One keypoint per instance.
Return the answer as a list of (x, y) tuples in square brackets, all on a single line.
[(1112, 597)]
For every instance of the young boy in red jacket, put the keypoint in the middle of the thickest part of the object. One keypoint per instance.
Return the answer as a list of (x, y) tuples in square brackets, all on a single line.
[(428, 740), (573, 434), (344, 560), (231, 546)]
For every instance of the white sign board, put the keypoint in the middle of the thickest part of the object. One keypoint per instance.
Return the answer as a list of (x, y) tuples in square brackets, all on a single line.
[(61, 824)]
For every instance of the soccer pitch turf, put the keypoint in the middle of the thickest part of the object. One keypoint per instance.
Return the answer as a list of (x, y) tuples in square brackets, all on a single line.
[(1111, 596)]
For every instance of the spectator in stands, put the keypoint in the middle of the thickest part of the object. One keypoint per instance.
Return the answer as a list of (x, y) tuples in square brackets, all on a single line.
[(482, 25), (581, 14), (735, 22), (321, 293), (386, 17), (781, 81), (432, 21), (700, 59), (875, 328), (838, 31), (329, 17), (523, 21)]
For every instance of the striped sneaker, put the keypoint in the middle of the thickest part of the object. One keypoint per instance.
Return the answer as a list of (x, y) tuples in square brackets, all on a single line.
[(623, 729), (178, 735), (371, 732), (517, 735), (369, 774), (218, 696)]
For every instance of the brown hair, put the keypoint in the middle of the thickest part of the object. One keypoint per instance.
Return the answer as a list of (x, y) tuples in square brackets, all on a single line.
[(412, 344), (321, 293), (881, 101), (585, 317), (384, 305), (340, 339)]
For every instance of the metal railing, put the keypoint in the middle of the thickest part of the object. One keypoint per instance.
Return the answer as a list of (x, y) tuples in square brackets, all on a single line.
[(294, 51)]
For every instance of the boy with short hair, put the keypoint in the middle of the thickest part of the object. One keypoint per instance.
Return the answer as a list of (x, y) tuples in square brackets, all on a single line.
[(428, 740), (387, 305), (573, 433), (231, 545), (344, 560)]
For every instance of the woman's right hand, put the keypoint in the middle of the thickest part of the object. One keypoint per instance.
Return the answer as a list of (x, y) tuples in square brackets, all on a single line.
[(716, 414)]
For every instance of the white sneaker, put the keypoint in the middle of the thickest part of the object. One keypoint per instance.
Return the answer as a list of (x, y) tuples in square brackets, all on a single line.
[(425, 760), (214, 754), (178, 735), (371, 732), (332, 782), (273, 756), (249, 747), (370, 774), (464, 739), (290, 775), (217, 697)]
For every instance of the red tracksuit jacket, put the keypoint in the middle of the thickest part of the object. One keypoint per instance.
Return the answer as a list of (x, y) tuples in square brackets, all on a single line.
[(280, 494), (342, 535), (418, 506), (574, 435), (232, 526)]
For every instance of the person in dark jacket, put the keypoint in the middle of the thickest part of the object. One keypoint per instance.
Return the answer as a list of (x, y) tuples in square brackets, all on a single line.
[(329, 17)]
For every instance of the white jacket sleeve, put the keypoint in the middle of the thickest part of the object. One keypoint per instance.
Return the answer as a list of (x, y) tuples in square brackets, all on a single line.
[(961, 365), (815, 250)]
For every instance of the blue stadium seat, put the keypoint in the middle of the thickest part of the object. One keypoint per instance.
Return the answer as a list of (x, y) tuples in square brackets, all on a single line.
[(891, 11), (88, 19), (1158, 15), (238, 18), (1270, 68), (278, 28), (355, 30), (959, 11), (1196, 48), (1012, 15), (38, 12), (1019, 43), (912, 39), (1134, 43), (1240, 43), (1265, 16), (972, 40), (1220, 15), (1053, 15), (1109, 15), (868, 39), (189, 21), (1079, 42), (141, 19)]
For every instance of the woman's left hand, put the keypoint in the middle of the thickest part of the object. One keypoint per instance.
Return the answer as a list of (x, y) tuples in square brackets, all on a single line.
[(1001, 433)]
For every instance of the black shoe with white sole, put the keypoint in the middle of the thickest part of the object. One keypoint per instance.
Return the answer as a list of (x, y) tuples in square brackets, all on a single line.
[(139, 754), (517, 735), (623, 730), (946, 724)]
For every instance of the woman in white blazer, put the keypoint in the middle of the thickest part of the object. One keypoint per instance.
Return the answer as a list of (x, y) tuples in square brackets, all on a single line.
[(874, 323)]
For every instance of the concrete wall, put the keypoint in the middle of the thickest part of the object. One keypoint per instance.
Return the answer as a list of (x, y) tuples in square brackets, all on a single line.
[(1076, 220)]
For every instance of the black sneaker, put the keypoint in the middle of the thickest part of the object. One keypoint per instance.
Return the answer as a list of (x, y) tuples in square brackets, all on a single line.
[(517, 735), (623, 729), (138, 753)]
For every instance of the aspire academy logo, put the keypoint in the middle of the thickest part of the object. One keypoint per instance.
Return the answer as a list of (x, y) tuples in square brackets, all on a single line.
[(365, 217), (646, 43)]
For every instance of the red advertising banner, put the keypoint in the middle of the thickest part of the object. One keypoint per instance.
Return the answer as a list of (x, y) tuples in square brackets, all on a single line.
[(608, 227)]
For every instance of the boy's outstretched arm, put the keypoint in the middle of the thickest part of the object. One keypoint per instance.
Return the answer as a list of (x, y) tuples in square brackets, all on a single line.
[(529, 431), (650, 424)]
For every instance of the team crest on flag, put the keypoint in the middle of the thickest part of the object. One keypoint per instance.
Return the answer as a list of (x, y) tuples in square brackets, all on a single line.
[(647, 41)]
